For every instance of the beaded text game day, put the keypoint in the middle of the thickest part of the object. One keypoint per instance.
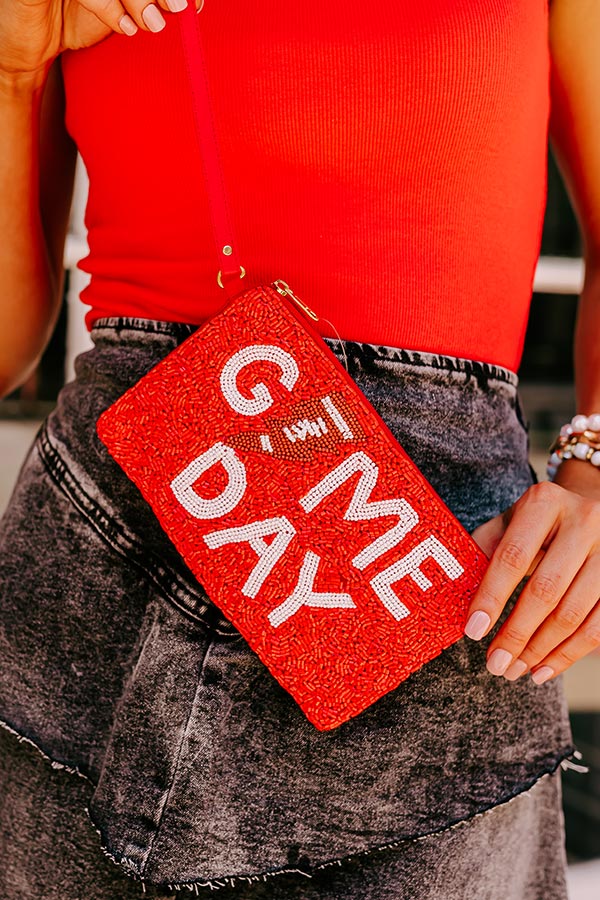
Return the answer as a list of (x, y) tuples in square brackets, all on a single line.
[(295, 507)]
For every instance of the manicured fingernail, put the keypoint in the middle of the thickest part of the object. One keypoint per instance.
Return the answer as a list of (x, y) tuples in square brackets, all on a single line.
[(515, 670), (176, 5), (153, 18), (542, 675), (478, 624), (499, 662), (127, 25), (199, 8)]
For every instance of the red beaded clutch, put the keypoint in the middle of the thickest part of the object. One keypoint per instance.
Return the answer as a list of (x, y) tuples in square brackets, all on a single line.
[(295, 507)]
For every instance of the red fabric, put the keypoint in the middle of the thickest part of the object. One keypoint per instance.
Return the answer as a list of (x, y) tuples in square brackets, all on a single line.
[(386, 159), (296, 508)]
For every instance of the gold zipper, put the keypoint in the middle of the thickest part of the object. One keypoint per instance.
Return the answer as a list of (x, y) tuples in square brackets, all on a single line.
[(285, 290)]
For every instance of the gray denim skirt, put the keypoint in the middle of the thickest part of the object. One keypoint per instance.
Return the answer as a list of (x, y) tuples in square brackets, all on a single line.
[(200, 770)]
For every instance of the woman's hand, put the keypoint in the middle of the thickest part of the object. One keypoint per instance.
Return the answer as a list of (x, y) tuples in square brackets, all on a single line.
[(34, 32), (552, 534)]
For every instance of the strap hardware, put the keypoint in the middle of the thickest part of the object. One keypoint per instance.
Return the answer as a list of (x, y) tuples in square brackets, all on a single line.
[(220, 280)]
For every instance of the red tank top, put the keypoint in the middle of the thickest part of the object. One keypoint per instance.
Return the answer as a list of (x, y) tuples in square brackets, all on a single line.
[(387, 159)]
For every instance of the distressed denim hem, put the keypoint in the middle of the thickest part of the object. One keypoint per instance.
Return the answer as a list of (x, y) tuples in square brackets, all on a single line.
[(549, 766), (54, 763)]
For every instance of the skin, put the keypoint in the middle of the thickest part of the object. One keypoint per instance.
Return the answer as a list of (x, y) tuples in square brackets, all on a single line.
[(552, 533), (37, 159)]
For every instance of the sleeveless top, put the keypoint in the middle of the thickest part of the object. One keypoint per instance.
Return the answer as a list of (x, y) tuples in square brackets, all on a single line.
[(386, 159)]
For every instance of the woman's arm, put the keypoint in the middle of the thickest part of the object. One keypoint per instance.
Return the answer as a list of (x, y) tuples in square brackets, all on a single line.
[(552, 532), (575, 134), (37, 157), (37, 162)]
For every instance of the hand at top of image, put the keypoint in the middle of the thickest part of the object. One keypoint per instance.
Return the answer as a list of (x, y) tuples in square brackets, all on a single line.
[(34, 32)]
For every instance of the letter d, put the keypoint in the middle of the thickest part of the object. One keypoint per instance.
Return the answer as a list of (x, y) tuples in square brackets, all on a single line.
[(183, 484)]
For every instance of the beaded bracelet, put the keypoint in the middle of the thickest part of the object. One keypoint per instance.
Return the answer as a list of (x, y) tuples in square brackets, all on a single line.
[(580, 439)]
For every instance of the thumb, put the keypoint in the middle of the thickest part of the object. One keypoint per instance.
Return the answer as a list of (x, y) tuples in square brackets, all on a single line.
[(488, 535)]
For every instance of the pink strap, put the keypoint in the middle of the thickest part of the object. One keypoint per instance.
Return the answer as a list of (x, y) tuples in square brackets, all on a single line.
[(228, 260)]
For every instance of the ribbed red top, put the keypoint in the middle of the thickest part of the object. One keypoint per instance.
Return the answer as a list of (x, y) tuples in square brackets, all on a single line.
[(387, 159)]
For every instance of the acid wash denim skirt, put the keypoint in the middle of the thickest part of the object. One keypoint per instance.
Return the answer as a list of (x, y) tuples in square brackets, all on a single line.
[(200, 769)]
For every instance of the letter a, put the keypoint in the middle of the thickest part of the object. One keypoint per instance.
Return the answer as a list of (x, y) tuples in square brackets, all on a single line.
[(183, 484), (303, 594), (268, 554)]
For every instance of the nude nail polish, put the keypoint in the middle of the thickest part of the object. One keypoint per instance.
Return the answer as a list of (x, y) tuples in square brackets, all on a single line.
[(176, 5), (542, 675), (499, 662), (153, 18), (515, 670), (127, 25), (478, 624)]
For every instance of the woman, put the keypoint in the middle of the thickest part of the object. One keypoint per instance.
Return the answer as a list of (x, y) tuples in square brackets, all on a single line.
[(394, 161)]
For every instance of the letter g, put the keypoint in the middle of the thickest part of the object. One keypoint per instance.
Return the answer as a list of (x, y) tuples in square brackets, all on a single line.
[(260, 392)]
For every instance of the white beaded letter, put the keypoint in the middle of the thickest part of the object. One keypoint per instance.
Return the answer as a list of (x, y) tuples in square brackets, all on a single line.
[(262, 398), (183, 484), (337, 418), (360, 508), (268, 554), (303, 594), (409, 565)]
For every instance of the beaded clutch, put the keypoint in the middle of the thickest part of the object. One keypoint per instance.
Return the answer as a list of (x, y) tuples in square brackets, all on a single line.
[(295, 507)]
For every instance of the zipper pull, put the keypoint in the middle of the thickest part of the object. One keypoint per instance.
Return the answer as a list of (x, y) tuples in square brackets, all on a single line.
[(285, 290)]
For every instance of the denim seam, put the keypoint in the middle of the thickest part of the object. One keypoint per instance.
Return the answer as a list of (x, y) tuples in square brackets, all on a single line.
[(166, 580), (184, 734)]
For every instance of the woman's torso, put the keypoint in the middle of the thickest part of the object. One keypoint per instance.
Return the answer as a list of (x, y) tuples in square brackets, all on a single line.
[(387, 160)]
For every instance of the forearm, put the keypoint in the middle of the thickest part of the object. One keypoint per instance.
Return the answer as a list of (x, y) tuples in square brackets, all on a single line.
[(575, 133), (587, 344), (573, 474), (30, 286)]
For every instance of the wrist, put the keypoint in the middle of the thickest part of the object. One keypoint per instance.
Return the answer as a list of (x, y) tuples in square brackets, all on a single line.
[(578, 476), (23, 85), (578, 441)]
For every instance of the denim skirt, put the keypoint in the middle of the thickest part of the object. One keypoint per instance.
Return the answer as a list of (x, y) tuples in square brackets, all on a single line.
[(200, 771)]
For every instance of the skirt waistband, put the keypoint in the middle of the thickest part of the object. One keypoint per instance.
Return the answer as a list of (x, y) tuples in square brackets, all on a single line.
[(354, 354)]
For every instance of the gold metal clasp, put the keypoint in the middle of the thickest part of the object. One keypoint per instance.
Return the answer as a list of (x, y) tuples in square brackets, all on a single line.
[(285, 290), (219, 280)]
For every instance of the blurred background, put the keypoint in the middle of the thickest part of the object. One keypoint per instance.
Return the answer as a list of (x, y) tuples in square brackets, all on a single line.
[(547, 392)]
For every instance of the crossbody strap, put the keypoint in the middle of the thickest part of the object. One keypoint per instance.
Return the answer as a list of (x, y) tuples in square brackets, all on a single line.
[(229, 267)]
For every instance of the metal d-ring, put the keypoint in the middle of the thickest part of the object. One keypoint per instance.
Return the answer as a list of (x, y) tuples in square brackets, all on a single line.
[(220, 282)]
